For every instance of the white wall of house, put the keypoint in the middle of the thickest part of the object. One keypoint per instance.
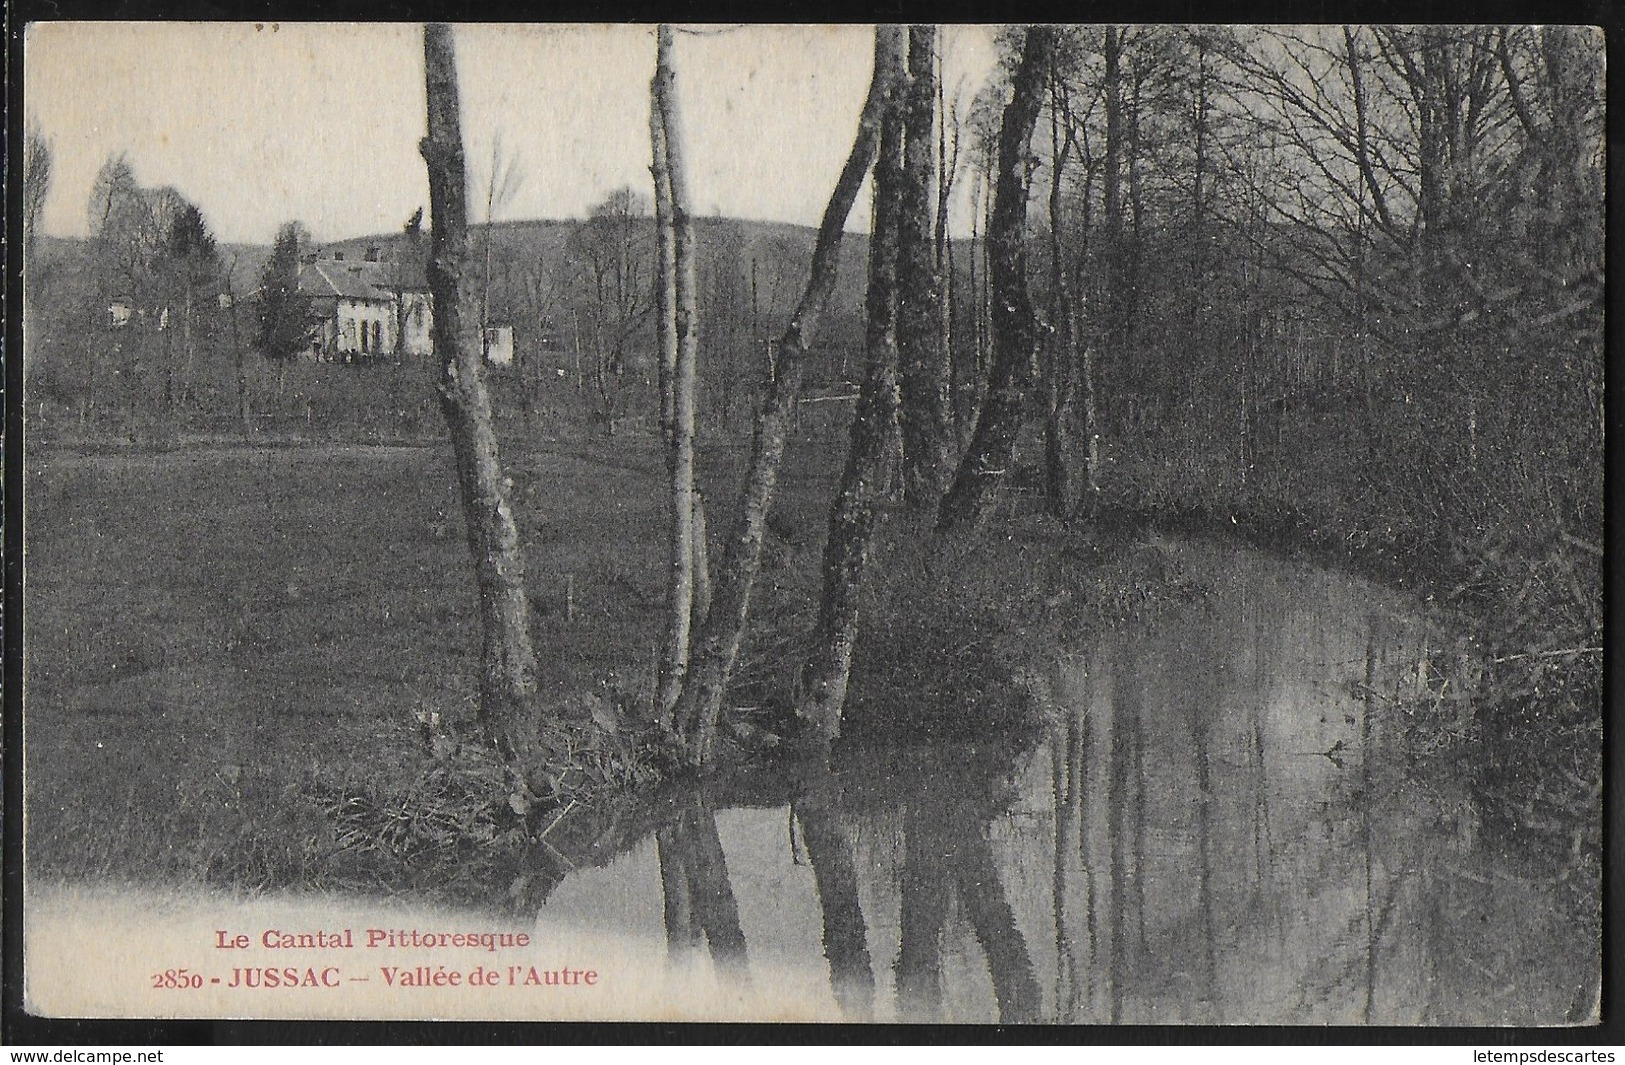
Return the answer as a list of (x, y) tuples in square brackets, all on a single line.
[(365, 327), (418, 315), (499, 345)]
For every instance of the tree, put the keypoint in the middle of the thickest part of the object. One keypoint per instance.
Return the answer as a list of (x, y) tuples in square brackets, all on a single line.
[(853, 515), (716, 646), (36, 186), (508, 661), (284, 324), (1069, 369), (408, 270), (614, 253), (191, 261), (678, 352), (129, 226), (239, 354), (501, 185), (925, 415), (1014, 330)]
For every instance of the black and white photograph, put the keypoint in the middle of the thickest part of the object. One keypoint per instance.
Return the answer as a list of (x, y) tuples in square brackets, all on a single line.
[(971, 524)]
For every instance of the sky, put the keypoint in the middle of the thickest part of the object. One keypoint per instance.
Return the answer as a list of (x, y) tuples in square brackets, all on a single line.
[(259, 124)]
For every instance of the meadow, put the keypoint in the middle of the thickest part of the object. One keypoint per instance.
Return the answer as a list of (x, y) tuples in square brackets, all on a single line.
[(219, 638)]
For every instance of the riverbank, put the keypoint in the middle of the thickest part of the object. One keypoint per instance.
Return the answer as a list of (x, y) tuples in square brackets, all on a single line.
[(252, 667), (1514, 560)]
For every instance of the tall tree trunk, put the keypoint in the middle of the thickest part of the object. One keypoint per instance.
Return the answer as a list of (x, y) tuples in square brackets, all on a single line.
[(716, 646), (508, 662), (678, 351), (921, 339), (992, 447), (856, 509), (947, 168), (967, 394)]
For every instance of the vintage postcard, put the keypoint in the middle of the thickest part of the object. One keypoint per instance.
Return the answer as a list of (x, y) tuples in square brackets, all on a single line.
[(1086, 524)]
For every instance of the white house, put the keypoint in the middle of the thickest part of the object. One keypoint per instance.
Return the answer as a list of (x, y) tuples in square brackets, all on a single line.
[(362, 310), (499, 345)]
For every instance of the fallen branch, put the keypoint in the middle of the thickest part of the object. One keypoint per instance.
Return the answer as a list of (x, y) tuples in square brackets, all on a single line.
[(1548, 654)]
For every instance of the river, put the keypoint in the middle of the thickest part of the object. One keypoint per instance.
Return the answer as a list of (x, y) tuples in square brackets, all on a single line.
[(1218, 825)]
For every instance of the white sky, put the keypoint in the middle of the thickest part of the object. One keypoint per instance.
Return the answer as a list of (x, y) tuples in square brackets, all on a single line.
[(262, 123)]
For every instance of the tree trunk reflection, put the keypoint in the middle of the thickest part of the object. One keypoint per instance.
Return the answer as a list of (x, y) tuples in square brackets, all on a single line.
[(926, 885), (698, 895), (846, 943)]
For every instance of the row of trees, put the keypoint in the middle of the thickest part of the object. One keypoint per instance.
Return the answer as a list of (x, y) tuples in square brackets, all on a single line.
[(147, 319), (1405, 223)]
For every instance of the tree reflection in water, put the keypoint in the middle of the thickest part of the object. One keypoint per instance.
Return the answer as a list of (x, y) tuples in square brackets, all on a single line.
[(846, 938), (947, 854), (1219, 823), (698, 897)]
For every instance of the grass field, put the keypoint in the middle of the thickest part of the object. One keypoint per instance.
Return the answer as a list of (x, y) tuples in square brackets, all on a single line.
[(213, 634)]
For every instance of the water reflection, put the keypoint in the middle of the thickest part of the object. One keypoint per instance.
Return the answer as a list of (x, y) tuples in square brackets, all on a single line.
[(697, 894), (1214, 828), (846, 937)]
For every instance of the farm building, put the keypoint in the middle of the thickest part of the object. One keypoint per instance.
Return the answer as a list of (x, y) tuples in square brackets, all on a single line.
[(365, 310)]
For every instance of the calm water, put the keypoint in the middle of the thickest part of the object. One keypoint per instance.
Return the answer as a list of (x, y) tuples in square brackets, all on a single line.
[(1216, 827)]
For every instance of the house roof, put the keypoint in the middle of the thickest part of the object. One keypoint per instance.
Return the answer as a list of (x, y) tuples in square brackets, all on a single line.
[(357, 280)]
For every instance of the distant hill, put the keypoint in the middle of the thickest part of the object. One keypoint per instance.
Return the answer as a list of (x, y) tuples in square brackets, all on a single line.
[(751, 273), (780, 250)]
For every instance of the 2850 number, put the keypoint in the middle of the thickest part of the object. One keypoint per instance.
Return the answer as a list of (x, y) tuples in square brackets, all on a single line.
[(177, 980)]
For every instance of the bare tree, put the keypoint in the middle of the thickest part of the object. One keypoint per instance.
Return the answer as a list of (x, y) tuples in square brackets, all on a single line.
[(1069, 375), (36, 186), (719, 638), (1014, 330), (239, 350), (501, 185), (507, 676), (679, 349), (921, 339), (613, 291), (949, 136), (129, 227), (852, 518)]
